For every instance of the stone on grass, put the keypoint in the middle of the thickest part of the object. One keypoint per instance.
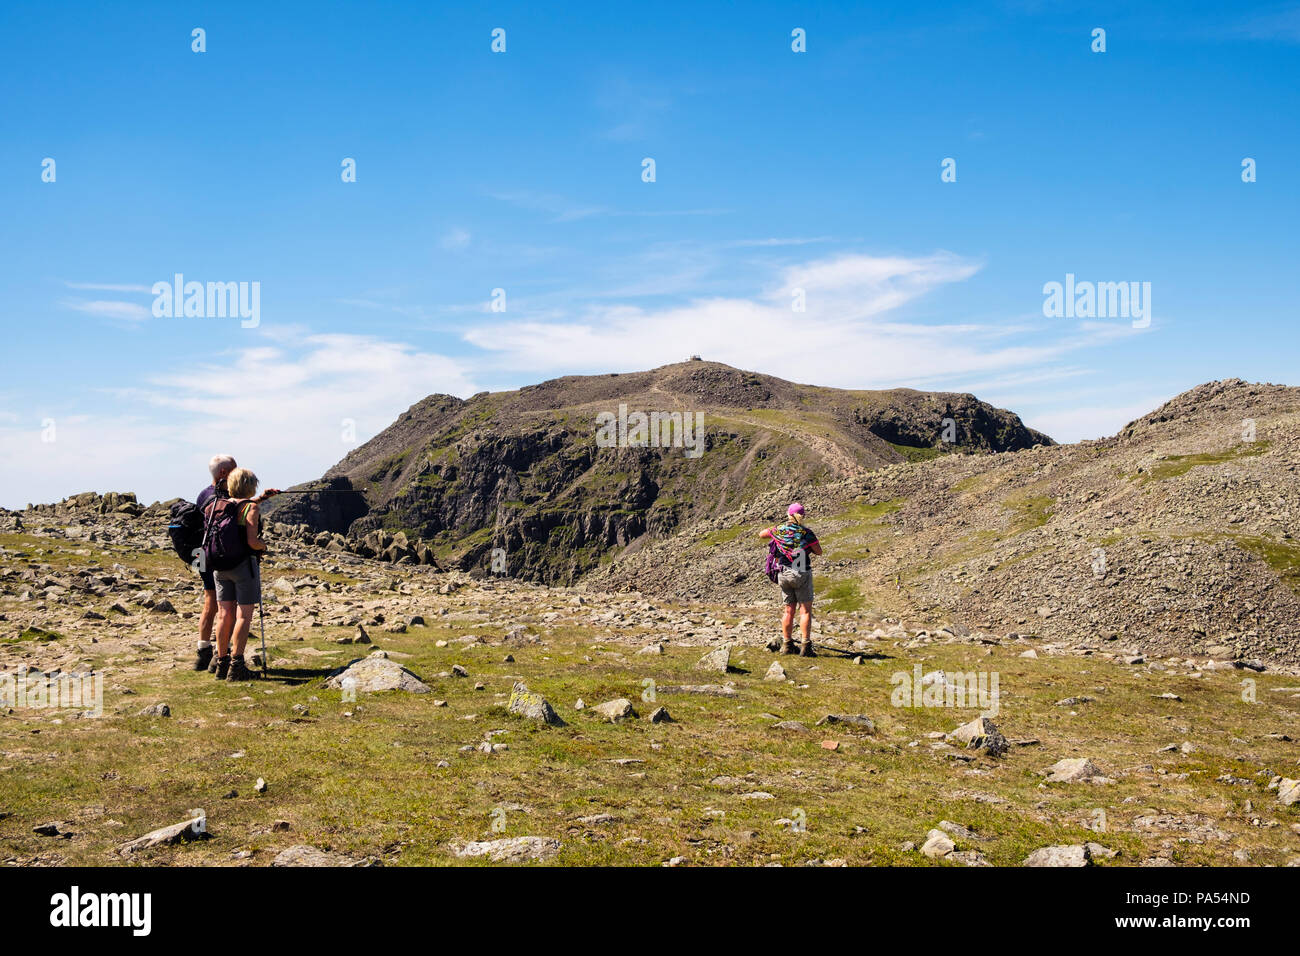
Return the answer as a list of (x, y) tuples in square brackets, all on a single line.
[(1288, 792), (775, 672), (1073, 770), (1073, 855), (717, 660), (856, 721), (937, 844), (660, 716), (522, 849), (1098, 852), (615, 710), (303, 855), (982, 734), (156, 710), (374, 674), (525, 703), (183, 832)]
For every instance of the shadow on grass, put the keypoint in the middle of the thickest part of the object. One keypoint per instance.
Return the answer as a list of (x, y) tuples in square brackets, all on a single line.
[(294, 675)]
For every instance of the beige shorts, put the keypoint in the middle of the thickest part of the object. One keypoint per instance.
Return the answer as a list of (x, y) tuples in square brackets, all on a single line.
[(796, 586)]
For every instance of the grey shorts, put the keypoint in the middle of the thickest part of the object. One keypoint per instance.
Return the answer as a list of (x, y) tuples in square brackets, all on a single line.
[(796, 586), (239, 584)]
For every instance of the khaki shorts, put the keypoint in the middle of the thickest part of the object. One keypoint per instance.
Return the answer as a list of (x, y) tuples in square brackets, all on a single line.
[(240, 584), (796, 586)]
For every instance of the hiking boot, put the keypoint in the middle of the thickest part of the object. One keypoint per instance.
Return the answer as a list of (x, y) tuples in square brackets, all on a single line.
[(203, 661), (212, 667), (807, 650), (222, 666), (239, 670), (789, 648)]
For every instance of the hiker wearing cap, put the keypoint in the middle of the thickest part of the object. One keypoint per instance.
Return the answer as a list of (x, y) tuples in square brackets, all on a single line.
[(788, 564), (233, 548), (219, 467)]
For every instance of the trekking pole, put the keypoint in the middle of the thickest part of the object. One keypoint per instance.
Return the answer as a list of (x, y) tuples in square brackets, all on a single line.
[(261, 618)]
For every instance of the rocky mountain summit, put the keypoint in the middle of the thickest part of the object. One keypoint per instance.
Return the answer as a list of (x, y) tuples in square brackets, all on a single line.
[(523, 471)]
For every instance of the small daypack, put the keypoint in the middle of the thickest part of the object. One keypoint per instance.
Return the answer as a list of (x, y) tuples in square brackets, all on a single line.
[(225, 540), (773, 566), (186, 530)]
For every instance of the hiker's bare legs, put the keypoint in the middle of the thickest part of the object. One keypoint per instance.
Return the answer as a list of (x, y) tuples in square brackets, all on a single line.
[(787, 623), (805, 621), (225, 627), (242, 624), (208, 616)]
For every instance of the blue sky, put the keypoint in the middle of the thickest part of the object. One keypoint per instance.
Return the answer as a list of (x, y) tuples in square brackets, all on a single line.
[(522, 171)]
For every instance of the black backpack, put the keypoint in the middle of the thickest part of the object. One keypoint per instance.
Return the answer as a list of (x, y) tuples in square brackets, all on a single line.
[(186, 530)]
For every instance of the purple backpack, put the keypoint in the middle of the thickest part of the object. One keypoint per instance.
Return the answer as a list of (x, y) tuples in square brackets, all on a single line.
[(773, 566), (225, 540)]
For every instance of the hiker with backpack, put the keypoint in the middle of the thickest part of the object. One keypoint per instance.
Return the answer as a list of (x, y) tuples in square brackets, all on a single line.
[(788, 564), (232, 549), (219, 467)]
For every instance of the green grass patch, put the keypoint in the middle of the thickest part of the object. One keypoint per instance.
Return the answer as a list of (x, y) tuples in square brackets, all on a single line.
[(1028, 511), (913, 453), (842, 596), (1172, 466), (724, 535)]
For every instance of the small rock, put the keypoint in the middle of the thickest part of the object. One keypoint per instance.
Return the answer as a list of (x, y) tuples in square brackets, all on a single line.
[(718, 660), (1073, 855), (374, 674), (1073, 771), (859, 721), (615, 710), (522, 849), (982, 734), (937, 844), (303, 855), (525, 703), (183, 832)]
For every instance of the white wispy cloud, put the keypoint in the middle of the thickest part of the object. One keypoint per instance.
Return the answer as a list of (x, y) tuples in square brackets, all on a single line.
[(110, 309), (110, 287), (278, 404), (278, 400)]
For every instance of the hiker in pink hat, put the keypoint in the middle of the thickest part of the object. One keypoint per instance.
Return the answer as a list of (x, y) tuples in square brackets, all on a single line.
[(788, 564)]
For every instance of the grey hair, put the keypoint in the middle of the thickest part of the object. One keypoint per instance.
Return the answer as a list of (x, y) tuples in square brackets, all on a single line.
[(220, 463)]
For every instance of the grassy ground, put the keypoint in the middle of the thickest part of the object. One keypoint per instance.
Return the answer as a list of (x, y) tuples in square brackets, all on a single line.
[(363, 778)]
